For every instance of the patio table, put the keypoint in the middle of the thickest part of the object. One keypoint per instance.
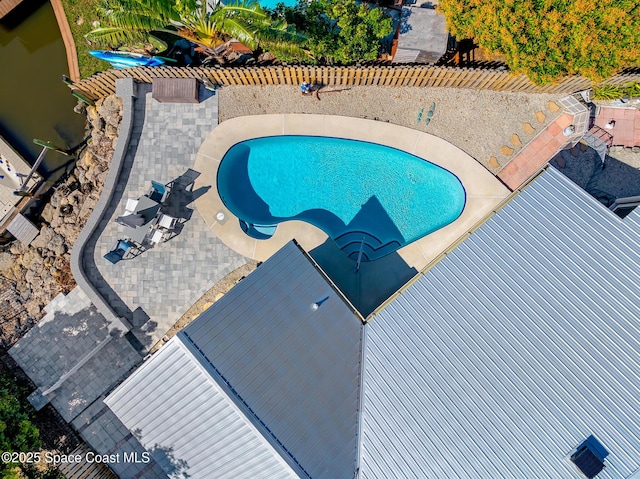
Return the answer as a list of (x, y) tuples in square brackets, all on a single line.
[(148, 209)]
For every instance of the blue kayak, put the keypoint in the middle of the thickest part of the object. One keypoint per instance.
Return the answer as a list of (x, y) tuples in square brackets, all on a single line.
[(127, 59)]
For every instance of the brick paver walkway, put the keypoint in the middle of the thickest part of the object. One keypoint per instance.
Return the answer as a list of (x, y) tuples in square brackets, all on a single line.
[(535, 154), (53, 349)]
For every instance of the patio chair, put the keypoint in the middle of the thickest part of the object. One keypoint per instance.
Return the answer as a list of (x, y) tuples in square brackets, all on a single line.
[(156, 237), (158, 192), (119, 252), (167, 222), (131, 206)]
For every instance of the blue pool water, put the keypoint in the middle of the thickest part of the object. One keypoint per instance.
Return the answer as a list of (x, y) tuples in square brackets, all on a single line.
[(363, 195), (272, 3)]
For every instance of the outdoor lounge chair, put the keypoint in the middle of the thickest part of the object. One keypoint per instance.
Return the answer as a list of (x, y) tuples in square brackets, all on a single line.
[(167, 222), (119, 252), (157, 192), (131, 206), (156, 237)]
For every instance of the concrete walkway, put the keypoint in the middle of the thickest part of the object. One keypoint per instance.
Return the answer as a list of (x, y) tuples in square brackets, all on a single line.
[(73, 355), (364, 289)]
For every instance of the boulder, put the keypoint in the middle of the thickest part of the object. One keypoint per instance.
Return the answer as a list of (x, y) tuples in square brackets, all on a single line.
[(7, 261), (92, 113), (86, 160), (66, 230), (87, 207), (25, 295), (97, 125), (43, 239), (96, 137), (60, 263), (33, 309), (29, 257), (111, 131), (47, 213), (101, 178), (57, 245), (57, 221), (111, 110)]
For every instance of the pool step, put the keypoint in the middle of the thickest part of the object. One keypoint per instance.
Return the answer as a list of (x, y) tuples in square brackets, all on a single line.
[(353, 242)]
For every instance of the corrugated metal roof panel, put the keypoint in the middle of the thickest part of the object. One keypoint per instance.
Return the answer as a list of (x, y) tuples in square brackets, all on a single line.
[(297, 369), (172, 390), (513, 349)]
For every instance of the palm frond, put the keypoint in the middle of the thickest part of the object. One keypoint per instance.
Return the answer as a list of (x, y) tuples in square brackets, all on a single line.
[(115, 36), (285, 50), (242, 31), (132, 21)]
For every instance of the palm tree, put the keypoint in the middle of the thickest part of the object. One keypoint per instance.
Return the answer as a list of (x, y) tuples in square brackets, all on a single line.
[(133, 21)]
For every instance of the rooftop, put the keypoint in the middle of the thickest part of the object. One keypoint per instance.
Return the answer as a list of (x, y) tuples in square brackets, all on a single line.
[(263, 374), (494, 363), (506, 359)]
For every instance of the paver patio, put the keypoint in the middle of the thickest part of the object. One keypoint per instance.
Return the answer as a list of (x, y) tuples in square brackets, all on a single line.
[(153, 289)]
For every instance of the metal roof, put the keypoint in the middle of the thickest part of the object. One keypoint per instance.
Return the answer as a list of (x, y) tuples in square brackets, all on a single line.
[(185, 420), (512, 350), (292, 369), (296, 368)]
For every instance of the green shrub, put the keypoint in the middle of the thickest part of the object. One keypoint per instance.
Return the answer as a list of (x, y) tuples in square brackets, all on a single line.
[(549, 39), (607, 92)]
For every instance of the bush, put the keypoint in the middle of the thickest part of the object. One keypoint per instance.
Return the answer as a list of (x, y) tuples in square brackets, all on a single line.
[(338, 31), (548, 39), (17, 433)]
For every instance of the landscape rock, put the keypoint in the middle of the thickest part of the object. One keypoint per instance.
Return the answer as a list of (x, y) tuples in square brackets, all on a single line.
[(47, 213), (25, 295), (44, 238), (57, 245), (7, 260), (111, 132), (39, 272), (86, 160), (111, 110), (92, 113)]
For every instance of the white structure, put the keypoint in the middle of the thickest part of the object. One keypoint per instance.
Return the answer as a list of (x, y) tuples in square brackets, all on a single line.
[(13, 172)]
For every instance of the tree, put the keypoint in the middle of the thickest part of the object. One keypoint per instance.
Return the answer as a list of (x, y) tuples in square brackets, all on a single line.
[(339, 31), (17, 433), (548, 39), (132, 21)]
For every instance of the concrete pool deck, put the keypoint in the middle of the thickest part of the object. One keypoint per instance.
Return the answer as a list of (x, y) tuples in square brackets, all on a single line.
[(484, 190)]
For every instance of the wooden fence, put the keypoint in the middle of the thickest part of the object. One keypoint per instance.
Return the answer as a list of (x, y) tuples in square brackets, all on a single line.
[(103, 84)]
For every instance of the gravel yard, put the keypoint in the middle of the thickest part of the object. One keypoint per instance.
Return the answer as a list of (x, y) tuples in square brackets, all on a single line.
[(479, 122)]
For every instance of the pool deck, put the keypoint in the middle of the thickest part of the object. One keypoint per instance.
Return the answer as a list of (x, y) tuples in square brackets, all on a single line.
[(484, 190)]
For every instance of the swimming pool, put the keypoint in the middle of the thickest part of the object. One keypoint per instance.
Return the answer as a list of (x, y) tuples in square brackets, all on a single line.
[(272, 3), (370, 199)]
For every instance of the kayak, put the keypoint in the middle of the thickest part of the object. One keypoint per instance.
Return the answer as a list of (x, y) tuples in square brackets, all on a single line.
[(127, 59)]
